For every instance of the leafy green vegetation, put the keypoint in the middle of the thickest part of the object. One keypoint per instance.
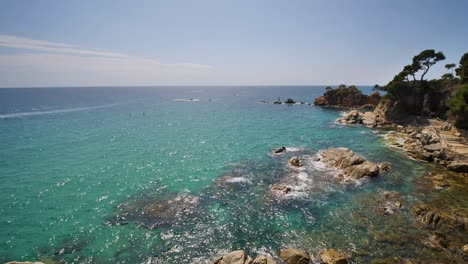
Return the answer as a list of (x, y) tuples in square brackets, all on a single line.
[(458, 106), (462, 70)]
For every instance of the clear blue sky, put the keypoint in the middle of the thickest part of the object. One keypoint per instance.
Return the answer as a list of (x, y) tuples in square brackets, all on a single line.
[(85, 43)]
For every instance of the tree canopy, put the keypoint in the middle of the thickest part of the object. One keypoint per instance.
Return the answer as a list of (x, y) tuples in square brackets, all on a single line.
[(462, 70), (425, 60), (450, 66)]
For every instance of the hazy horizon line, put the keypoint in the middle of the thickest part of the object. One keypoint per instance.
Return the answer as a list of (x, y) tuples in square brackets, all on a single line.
[(180, 86)]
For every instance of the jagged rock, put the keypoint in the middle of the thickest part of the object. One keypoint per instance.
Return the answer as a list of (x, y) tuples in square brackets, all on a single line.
[(340, 158), (279, 150), (279, 189), (294, 256), (294, 161), (351, 117), (331, 256), (353, 165), (458, 166), (427, 215), (289, 101), (367, 169), (235, 257), (263, 260), (384, 167)]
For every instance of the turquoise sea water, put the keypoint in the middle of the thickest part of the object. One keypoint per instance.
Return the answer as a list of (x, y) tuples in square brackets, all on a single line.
[(70, 156)]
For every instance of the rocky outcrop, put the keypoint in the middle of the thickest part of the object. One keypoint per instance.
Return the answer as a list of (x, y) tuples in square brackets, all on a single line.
[(278, 151), (294, 256), (347, 97), (331, 256), (240, 257), (235, 257), (352, 117), (352, 165), (426, 145), (263, 260), (434, 218), (427, 215), (458, 166)]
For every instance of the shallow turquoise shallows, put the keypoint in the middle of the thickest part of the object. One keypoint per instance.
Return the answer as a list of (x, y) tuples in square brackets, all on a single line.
[(70, 156)]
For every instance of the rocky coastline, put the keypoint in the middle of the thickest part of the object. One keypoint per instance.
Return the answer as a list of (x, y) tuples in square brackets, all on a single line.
[(429, 140)]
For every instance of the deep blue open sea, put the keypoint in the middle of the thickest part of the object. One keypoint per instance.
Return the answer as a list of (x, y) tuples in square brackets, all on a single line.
[(74, 160)]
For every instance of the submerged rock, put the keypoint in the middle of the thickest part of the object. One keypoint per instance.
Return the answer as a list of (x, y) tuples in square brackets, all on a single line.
[(331, 256), (229, 181), (151, 213), (439, 181), (438, 241), (169, 209), (390, 204), (25, 262), (235, 257), (294, 256), (279, 189), (434, 218)]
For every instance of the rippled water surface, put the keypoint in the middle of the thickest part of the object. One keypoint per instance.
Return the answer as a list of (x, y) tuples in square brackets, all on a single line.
[(79, 165)]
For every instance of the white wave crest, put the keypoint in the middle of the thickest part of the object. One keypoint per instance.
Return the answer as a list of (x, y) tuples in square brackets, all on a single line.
[(49, 112)]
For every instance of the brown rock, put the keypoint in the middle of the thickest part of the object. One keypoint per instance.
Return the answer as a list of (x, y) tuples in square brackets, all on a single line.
[(294, 256), (458, 166), (263, 260), (427, 215), (294, 161), (280, 189), (367, 169), (331, 256), (465, 249), (354, 166), (384, 167), (235, 257), (433, 147)]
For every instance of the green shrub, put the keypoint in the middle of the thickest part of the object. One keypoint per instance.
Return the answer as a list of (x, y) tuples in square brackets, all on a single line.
[(458, 106)]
